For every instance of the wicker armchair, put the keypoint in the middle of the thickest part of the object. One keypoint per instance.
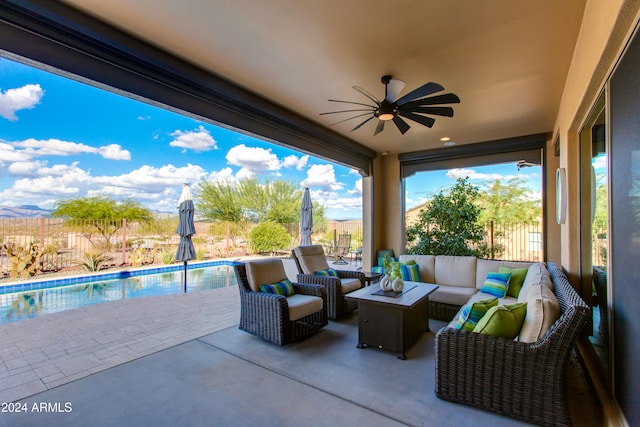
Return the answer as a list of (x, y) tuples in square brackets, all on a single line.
[(276, 318), (527, 381), (310, 259)]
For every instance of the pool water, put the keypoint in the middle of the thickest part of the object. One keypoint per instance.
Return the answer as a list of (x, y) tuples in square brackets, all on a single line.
[(42, 298)]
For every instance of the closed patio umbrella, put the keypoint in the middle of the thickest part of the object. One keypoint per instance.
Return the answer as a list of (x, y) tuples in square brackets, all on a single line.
[(186, 229), (306, 219)]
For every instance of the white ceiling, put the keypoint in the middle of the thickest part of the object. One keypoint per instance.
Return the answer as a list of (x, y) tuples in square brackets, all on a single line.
[(506, 60)]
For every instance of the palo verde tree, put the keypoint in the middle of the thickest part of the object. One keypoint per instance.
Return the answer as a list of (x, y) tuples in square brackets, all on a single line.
[(100, 214), (251, 201), (449, 224), (508, 202)]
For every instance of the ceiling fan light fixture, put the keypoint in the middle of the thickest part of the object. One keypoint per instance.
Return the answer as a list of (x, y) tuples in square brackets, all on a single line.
[(416, 105)]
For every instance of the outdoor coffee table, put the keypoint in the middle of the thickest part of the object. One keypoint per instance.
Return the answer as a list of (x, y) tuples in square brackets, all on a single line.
[(392, 323)]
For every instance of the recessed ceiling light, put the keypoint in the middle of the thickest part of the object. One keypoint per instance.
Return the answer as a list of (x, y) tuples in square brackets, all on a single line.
[(445, 139), (449, 143)]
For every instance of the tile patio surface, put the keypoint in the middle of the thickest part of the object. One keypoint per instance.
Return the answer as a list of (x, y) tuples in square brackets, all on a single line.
[(181, 360)]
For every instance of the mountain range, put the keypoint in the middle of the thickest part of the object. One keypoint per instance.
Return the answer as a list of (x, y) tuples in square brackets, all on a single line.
[(24, 211)]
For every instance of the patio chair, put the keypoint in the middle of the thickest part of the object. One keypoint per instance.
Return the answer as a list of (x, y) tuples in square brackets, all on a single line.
[(312, 267), (277, 318), (342, 249)]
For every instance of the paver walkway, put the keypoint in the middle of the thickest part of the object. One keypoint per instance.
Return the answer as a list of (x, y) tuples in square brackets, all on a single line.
[(45, 352)]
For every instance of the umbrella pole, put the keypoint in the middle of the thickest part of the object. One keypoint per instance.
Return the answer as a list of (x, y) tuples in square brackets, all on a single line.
[(185, 276)]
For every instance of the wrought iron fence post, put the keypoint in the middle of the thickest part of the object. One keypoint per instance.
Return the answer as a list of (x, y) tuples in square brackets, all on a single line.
[(124, 241)]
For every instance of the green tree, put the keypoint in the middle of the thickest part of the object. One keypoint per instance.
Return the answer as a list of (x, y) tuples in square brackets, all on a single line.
[(102, 214), (508, 202), (269, 237), (449, 224)]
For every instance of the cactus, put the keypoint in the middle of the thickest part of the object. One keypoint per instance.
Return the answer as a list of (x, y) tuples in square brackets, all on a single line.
[(25, 262)]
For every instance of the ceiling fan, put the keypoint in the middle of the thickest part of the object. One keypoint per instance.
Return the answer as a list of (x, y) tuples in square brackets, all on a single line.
[(412, 106)]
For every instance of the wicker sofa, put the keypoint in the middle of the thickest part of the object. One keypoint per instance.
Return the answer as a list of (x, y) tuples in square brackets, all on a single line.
[(527, 381), (459, 278)]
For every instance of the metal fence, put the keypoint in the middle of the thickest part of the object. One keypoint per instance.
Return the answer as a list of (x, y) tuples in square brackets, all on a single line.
[(62, 243)]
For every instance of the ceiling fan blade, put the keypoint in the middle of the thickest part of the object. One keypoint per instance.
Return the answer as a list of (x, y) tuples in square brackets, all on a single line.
[(350, 118), (367, 94), (379, 127), (402, 125), (394, 87), (360, 125), (447, 98), (424, 90), (355, 103), (427, 121), (436, 111), (349, 111)]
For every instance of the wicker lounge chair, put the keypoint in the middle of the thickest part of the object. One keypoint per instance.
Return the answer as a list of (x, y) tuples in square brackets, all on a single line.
[(310, 259), (276, 318), (527, 381)]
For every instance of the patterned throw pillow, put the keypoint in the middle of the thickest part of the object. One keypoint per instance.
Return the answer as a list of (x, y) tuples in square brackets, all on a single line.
[(472, 313), (496, 284), (284, 287), (329, 272), (516, 280), (377, 269), (503, 321), (410, 272)]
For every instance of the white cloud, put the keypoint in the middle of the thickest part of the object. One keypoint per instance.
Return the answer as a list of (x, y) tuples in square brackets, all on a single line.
[(158, 188), (244, 173), (600, 163), (472, 174), (323, 177), (114, 152), (199, 140), (253, 159), (223, 175), (25, 169), (9, 154), (55, 147), (294, 161), (357, 187), (22, 98)]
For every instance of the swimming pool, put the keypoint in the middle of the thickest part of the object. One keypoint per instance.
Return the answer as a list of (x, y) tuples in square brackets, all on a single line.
[(33, 299)]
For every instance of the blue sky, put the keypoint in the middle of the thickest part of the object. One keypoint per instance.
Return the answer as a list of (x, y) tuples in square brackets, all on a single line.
[(61, 139)]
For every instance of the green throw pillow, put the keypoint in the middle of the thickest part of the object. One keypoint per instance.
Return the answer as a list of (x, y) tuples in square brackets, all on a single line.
[(516, 281), (284, 287), (472, 313), (503, 321), (329, 272), (496, 284)]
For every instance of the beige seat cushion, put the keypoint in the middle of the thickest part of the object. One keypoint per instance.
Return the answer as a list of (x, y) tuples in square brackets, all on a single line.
[(456, 271), (264, 272), (350, 284), (311, 258), (301, 305), (543, 310), (454, 295)]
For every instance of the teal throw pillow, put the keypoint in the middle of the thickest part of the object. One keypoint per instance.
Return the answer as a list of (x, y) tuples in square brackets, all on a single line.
[(517, 279), (410, 272), (329, 272), (377, 269), (284, 287), (496, 284), (381, 260), (472, 313), (503, 321)]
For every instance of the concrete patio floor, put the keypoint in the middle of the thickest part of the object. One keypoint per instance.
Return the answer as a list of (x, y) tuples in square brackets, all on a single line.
[(181, 360)]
